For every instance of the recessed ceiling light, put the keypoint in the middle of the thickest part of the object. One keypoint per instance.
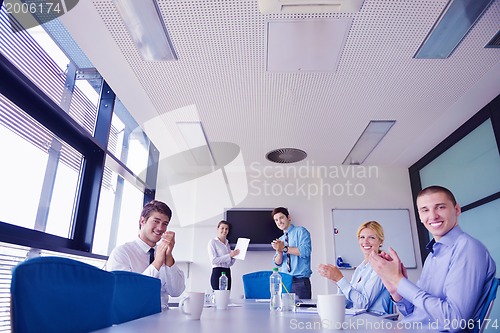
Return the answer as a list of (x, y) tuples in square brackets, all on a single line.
[(451, 27), (194, 136), (369, 139), (147, 29)]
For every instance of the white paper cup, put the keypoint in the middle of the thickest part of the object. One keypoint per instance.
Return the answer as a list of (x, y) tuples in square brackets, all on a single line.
[(192, 304), (221, 299), (209, 297), (331, 310)]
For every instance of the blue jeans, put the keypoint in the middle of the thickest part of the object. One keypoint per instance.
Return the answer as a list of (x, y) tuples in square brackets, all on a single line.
[(302, 287)]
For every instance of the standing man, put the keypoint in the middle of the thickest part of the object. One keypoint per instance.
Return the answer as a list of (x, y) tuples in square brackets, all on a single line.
[(293, 252), (151, 252), (457, 273)]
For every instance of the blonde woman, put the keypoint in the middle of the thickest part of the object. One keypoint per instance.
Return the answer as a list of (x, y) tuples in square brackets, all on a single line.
[(365, 290)]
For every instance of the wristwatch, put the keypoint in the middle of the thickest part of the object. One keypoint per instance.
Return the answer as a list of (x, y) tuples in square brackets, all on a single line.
[(285, 249)]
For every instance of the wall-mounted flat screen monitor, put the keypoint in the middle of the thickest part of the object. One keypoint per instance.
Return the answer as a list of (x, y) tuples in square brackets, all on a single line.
[(256, 224)]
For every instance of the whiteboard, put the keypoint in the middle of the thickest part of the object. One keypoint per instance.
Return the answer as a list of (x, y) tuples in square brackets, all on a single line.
[(397, 232)]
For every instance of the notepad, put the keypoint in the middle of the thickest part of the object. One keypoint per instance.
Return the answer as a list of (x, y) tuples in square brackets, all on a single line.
[(306, 310)]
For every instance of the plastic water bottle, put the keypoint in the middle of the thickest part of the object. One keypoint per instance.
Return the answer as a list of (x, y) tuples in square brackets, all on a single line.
[(223, 281), (275, 289)]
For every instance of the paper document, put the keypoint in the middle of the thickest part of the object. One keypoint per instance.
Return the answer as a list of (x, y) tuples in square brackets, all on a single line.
[(242, 245), (354, 311)]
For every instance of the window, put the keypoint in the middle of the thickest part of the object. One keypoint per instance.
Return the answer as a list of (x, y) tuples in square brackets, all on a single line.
[(57, 157), (127, 141), (470, 167), (468, 163), (120, 205), (65, 177), (40, 168), (39, 58)]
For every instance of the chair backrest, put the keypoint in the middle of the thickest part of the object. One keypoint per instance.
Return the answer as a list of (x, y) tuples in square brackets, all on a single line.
[(135, 296), (54, 294), (256, 284), (488, 305)]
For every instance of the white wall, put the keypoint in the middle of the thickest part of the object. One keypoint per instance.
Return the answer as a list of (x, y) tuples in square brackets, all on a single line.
[(384, 188), (310, 200)]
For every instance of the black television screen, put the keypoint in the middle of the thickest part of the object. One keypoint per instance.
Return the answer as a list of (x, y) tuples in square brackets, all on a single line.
[(256, 224)]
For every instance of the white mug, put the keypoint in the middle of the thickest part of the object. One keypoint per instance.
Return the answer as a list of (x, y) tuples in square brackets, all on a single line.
[(331, 310), (221, 299), (192, 304)]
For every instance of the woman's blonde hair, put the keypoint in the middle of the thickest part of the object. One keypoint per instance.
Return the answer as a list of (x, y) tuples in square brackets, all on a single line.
[(375, 226)]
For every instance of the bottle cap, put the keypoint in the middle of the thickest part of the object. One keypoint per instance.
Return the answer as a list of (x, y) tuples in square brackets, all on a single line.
[(275, 269)]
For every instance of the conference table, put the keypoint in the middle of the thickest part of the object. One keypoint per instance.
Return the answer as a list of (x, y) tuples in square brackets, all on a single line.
[(254, 316)]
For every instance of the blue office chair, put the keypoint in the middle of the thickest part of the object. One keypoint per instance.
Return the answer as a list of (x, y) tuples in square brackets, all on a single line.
[(488, 305), (135, 296), (256, 284), (57, 295)]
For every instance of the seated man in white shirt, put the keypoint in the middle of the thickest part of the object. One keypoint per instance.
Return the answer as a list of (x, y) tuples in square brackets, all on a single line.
[(138, 256)]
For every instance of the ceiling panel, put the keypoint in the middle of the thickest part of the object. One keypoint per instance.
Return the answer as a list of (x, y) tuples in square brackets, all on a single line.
[(220, 78)]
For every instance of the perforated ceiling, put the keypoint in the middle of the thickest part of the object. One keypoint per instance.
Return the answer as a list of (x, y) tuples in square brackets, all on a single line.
[(221, 71)]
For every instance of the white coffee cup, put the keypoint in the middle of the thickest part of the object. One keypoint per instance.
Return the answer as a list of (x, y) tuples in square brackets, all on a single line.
[(221, 299), (192, 304), (331, 310)]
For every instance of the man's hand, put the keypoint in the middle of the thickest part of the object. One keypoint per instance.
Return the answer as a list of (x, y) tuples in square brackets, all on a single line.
[(167, 244), (278, 245), (169, 239), (160, 255), (390, 269)]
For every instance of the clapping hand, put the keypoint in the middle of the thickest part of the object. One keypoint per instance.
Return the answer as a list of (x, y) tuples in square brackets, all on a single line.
[(390, 269), (278, 245), (168, 238), (330, 271)]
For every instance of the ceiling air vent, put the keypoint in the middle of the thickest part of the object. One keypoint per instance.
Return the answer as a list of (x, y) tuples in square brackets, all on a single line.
[(286, 155), (494, 42), (308, 6)]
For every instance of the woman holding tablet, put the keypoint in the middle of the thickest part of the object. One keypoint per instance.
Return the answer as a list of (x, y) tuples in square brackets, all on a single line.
[(221, 256)]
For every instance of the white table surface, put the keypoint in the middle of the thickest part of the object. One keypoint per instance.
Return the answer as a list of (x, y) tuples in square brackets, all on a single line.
[(250, 316)]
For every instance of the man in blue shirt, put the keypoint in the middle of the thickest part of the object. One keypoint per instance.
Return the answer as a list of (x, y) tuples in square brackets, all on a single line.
[(293, 252), (457, 273)]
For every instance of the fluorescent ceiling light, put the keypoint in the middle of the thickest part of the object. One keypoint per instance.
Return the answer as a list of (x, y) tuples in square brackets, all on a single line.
[(194, 135), (368, 140), (455, 21), (147, 29), (308, 6)]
